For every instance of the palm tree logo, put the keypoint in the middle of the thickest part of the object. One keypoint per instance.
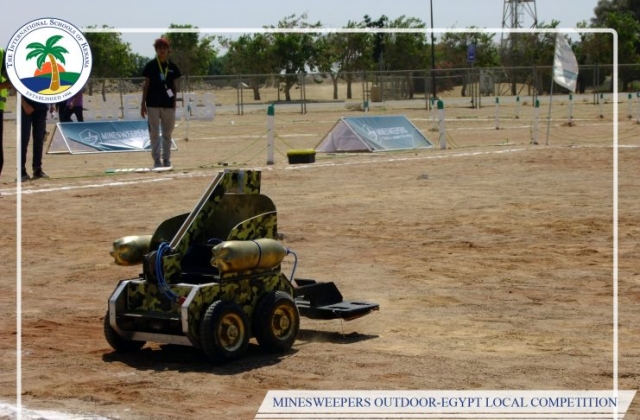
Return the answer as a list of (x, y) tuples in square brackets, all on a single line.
[(52, 52), (50, 60)]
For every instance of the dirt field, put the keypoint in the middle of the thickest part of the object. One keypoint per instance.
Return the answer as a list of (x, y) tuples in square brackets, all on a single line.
[(492, 262)]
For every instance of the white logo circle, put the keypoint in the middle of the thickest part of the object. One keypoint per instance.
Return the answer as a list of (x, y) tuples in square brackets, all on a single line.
[(48, 60)]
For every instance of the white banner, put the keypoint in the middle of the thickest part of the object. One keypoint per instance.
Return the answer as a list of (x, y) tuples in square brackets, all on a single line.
[(480, 404), (565, 65)]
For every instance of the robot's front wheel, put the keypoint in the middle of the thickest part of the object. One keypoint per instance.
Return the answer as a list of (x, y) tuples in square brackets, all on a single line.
[(224, 331)]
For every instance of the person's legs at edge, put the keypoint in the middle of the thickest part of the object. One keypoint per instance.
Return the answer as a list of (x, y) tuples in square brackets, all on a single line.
[(1, 145), (39, 133), (25, 135), (168, 118), (153, 118), (79, 114)]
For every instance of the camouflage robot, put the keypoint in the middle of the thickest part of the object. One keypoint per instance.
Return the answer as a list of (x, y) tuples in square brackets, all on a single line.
[(212, 279)]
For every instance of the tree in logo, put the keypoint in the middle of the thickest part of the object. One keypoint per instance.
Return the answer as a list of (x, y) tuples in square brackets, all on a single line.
[(52, 52)]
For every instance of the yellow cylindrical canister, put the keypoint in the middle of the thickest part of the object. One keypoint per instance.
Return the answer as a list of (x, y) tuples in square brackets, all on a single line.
[(235, 256), (130, 250)]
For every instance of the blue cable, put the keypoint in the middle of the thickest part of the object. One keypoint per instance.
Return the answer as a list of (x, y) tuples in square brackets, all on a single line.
[(162, 284)]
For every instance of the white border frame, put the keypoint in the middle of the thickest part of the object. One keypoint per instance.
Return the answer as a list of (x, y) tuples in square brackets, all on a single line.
[(335, 30)]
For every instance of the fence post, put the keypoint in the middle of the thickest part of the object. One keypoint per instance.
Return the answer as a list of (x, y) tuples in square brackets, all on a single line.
[(497, 114), (270, 120), (365, 92), (441, 127), (239, 96), (303, 105), (426, 95), (536, 118), (600, 105), (121, 89), (432, 100)]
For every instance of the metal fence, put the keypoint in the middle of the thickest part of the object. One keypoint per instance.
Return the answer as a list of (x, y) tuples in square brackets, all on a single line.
[(203, 96)]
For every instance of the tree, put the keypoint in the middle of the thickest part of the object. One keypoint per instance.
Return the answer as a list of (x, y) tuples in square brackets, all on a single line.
[(218, 65), (138, 63), (607, 7), (454, 46), (111, 57), (295, 52), (330, 58), (357, 54), (52, 52), (378, 39), (253, 56), (539, 50), (406, 51), (528, 49), (343, 54), (597, 48), (193, 55), (604, 7)]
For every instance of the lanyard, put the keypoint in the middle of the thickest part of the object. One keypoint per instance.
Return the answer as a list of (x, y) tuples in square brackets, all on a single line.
[(163, 73)]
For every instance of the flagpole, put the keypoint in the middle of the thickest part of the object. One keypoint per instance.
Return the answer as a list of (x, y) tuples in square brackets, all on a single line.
[(549, 114)]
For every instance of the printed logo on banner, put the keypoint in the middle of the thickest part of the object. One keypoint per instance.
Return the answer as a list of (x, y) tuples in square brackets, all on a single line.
[(48, 60), (371, 133), (90, 137)]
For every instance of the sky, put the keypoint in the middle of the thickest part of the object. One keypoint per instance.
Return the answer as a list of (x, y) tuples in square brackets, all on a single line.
[(143, 14)]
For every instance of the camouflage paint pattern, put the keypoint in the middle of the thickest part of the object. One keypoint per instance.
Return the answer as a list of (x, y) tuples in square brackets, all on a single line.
[(230, 181), (261, 226), (143, 296)]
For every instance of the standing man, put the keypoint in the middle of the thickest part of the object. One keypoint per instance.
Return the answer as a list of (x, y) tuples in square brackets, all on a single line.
[(34, 115), (159, 93)]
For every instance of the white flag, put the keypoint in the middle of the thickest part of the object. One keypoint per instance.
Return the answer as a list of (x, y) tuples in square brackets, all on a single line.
[(565, 65)]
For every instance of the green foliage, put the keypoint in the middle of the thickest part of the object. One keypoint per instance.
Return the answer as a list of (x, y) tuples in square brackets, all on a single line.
[(111, 56), (598, 47), (138, 63), (406, 51), (218, 65), (342, 53), (192, 54), (378, 40), (605, 7), (453, 46), (250, 54), (295, 51)]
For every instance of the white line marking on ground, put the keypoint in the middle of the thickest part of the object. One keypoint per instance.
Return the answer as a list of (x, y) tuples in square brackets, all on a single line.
[(375, 159)]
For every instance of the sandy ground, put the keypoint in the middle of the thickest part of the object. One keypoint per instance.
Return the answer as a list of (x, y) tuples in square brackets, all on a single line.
[(492, 262)]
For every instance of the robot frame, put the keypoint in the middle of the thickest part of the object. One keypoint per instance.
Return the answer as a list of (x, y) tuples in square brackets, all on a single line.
[(212, 279)]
